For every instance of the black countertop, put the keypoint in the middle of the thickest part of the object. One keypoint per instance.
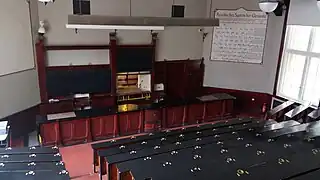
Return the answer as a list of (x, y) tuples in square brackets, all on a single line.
[(96, 112)]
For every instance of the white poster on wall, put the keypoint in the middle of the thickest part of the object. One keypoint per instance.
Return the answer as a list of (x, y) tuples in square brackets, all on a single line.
[(240, 36)]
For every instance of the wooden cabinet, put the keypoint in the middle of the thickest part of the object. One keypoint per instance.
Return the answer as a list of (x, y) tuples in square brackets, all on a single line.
[(152, 120), (195, 113), (175, 116), (50, 134), (184, 78), (104, 127), (194, 80), (213, 111), (75, 131), (130, 122)]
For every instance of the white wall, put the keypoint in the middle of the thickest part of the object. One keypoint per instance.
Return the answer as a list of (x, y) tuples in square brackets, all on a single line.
[(173, 43), (304, 12), (16, 48), (249, 77), (20, 91)]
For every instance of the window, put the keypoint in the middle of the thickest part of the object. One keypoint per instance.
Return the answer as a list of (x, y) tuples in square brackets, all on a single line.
[(81, 7), (177, 11), (299, 78)]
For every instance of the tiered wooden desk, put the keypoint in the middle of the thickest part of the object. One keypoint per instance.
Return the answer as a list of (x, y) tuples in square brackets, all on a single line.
[(279, 111), (314, 115), (110, 122), (237, 149), (32, 163), (298, 113)]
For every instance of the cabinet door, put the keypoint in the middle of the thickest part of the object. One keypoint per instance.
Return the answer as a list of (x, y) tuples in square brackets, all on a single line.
[(213, 111), (195, 113), (175, 116), (152, 120), (75, 131), (176, 79), (50, 134), (81, 130), (104, 127), (195, 72), (228, 107), (194, 85), (130, 123), (135, 122), (66, 128)]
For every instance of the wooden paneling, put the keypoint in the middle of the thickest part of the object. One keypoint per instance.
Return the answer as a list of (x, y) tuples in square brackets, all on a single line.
[(152, 120), (41, 68), (66, 128), (175, 116), (195, 113), (126, 123), (104, 127), (58, 107), (50, 134), (228, 106), (247, 102), (213, 111), (131, 122), (75, 131)]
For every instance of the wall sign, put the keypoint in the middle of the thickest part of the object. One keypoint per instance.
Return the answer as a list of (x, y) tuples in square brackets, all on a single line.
[(240, 36)]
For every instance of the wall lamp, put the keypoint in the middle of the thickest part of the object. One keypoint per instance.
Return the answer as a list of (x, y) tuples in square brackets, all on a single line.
[(46, 1), (268, 5)]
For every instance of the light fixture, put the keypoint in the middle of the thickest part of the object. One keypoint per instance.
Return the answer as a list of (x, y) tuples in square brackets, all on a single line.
[(318, 4), (46, 1), (118, 27), (41, 29), (268, 5)]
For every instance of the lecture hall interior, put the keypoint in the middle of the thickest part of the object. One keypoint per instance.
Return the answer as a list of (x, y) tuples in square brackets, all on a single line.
[(160, 89)]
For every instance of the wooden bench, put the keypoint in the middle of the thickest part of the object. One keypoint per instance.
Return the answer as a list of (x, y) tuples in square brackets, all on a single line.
[(298, 113), (109, 161), (138, 139), (31, 163), (252, 156), (278, 112), (314, 115)]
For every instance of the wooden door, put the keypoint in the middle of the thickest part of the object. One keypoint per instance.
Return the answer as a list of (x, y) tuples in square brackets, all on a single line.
[(194, 81), (176, 79)]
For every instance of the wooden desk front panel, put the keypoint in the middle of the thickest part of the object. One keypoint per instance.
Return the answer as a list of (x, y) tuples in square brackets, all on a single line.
[(50, 134), (228, 106), (70, 132), (213, 111), (152, 120), (131, 122), (104, 127), (195, 113), (75, 131), (175, 116)]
